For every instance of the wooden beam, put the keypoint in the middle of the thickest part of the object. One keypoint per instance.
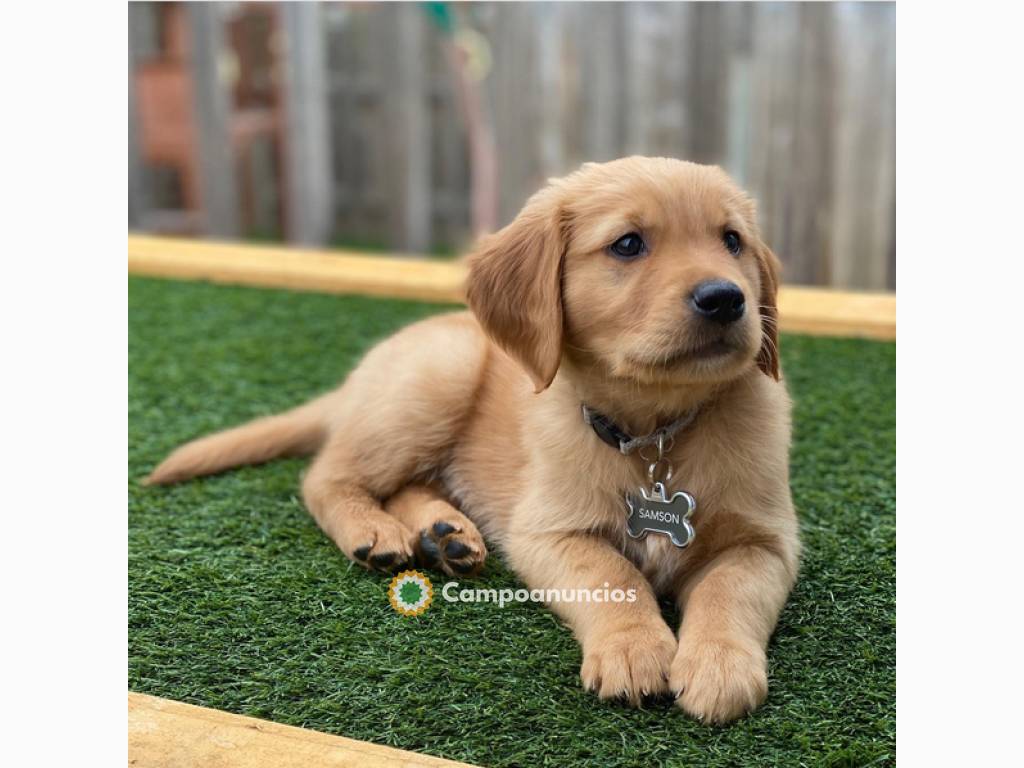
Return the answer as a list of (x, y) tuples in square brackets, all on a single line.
[(164, 733), (301, 269), (815, 311)]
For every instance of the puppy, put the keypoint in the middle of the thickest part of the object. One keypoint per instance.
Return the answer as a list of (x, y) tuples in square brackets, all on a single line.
[(641, 289)]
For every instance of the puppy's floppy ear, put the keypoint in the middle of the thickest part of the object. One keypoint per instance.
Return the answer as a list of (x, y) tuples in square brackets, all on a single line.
[(769, 267), (515, 287)]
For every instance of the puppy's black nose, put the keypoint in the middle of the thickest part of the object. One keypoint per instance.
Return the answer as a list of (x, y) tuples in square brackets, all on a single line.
[(718, 300)]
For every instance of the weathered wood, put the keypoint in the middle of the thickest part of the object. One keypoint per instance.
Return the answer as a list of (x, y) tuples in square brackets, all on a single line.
[(796, 100), (137, 192), (810, 178), (638, 99), (549, 65), (166, 734), (598, 30), (801, 310), (773, 108), (408, 129), (512, 91), (708, 90), (216, 163), (863, 237), (309, 172), (356, 60)]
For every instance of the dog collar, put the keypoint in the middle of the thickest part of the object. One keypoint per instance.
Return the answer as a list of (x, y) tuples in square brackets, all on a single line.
[(653, 510), (622, 441)]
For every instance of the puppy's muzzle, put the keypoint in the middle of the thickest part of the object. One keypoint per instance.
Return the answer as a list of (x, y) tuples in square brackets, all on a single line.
[(720, 301)]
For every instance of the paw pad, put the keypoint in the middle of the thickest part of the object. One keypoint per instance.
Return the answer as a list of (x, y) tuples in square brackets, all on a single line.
[(444, 546), (386, 562)]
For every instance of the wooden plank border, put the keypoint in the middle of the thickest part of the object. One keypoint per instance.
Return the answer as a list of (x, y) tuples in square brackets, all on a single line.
[(816, 311), (163, 733)]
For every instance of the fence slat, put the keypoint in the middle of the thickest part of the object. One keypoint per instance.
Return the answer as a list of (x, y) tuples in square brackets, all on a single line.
[(409, 131), (309, 180), (216, 167), (863, 232)]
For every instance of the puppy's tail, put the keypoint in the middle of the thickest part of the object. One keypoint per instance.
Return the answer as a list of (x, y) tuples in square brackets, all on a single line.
[(298, 432)]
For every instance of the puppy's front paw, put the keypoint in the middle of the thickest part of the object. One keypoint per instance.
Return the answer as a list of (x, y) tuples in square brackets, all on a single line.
[(453, 544), (718, 681), (380, 544), (629, 664)]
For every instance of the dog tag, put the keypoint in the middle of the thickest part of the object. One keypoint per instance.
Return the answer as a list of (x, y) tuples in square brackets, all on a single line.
[(653, 512)]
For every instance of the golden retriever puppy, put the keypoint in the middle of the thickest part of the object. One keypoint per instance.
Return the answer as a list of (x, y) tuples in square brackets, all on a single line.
[(621, 350)]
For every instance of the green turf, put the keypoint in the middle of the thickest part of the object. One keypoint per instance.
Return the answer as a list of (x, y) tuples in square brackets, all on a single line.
[(237, 601)]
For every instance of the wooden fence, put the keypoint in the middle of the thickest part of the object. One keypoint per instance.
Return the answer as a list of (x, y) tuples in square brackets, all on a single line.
[(796, 100)]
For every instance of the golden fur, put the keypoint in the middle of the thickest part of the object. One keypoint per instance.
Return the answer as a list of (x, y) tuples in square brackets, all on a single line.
[(481, 413)]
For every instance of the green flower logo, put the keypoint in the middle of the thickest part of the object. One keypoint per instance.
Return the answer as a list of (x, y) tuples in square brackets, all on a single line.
[(410, 593)]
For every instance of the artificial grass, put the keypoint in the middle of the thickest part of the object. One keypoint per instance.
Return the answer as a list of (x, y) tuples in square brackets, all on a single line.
[(237, 601)]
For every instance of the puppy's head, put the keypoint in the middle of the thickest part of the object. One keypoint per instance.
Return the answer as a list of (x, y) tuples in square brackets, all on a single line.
[(649, 269)]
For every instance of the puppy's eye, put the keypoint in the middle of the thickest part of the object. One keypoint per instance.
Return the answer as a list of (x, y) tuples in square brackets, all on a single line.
[(732, 242), (628, 246)]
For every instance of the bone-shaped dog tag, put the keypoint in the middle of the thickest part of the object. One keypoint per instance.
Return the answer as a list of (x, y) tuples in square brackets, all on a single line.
[(655, 513)]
